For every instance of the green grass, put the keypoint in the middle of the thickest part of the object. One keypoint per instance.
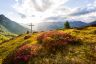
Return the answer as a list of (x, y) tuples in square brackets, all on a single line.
[(5, 34), (73, 54), (7, 47), (85, 53)]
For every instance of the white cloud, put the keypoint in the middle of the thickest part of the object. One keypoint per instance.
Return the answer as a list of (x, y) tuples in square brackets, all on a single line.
[(85, 18), (40, 9), (86, 14), (37, 10), (16, 0)]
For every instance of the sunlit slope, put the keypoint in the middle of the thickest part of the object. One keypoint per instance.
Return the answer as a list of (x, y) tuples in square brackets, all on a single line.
[(12, 26), (82, 53), (87, 34), (14, 43), (5, 34)]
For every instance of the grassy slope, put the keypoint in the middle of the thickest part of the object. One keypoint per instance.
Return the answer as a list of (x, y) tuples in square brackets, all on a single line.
[(87, 34), (5, 34), (74, 53), (11, 45)]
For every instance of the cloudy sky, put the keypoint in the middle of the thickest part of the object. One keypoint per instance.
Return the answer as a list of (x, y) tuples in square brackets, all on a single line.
[(27, 11)]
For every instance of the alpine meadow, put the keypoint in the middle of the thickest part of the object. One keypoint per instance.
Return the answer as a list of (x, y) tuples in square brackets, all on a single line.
[(47, 31)]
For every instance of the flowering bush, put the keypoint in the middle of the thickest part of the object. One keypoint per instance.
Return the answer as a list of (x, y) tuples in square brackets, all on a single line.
[(54, 39), (24, 53)]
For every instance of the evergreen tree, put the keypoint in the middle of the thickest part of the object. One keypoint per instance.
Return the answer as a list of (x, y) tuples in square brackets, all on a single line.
[(66, 24), (27, 32)]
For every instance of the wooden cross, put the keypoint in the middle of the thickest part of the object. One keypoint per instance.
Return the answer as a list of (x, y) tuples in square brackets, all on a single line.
[(31, 25)]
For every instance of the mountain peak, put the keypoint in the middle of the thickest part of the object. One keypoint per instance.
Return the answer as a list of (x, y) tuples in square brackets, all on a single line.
[(3, 16)]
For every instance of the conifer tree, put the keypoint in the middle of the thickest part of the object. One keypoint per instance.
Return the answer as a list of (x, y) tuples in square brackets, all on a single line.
[(66, 25)]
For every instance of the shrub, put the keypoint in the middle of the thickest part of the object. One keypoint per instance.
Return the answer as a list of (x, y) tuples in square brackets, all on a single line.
[(27, 32), (22, 54), (55, 39), (26, 52), (26, 37), (35, 32)]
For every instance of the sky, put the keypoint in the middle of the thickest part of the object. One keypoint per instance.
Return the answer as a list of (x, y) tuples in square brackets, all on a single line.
[(35, 11)]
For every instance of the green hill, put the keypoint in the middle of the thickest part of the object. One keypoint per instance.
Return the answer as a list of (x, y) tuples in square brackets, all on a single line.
[(68, 46), (5, 34), (12, 26)]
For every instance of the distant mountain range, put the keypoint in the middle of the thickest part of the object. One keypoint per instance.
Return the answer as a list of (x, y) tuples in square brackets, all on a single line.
[(43, 26), (11, 26), (93, 23)]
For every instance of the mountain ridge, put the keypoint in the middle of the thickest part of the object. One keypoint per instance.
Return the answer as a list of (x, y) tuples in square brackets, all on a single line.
[(12, 26), (43, 26)]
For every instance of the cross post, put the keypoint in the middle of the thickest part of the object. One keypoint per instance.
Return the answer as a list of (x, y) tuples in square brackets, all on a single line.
[(31, 25)]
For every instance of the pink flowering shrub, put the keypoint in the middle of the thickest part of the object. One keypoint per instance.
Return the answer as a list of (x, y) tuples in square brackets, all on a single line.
[(24, 53), (55, 39)]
